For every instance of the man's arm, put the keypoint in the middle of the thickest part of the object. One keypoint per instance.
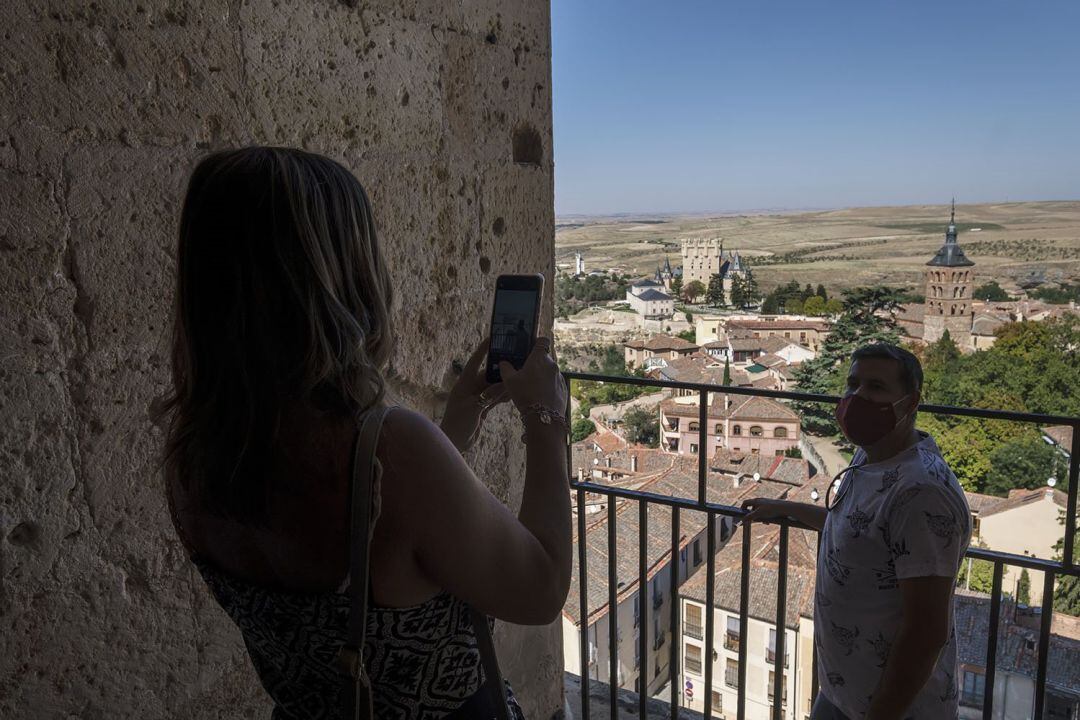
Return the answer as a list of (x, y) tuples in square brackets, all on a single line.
[(927, 607), (763, 509)]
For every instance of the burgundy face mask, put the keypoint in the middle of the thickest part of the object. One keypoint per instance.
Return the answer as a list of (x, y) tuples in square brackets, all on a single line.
[(865, 422)]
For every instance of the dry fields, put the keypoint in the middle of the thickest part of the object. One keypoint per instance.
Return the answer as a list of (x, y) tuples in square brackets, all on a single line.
[(1016, 243)]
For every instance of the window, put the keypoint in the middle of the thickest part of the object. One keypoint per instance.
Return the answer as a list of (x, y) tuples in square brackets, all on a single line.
[(779, 453), (756, 431), (717, 702), (780, 432), (693, 426), (693, 448), (787, 335), (974, 689), (770, 651), (732, 636), (697, 552), (693, 621), (693, 659), (974, 526), (731, 673), (719, 429), (637, 610), (772, 684), (736, 430), (682, 557), (637, 649)]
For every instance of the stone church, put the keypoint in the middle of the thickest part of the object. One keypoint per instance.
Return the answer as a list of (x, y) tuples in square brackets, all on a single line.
[(950, 282)]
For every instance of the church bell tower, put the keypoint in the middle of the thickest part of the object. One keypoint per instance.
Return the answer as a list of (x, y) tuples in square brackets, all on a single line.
[(950, 282)]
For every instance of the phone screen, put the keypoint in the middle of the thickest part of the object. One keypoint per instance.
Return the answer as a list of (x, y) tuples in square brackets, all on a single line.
[(513, 328)]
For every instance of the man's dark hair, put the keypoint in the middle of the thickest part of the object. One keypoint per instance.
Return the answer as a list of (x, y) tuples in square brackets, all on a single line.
[(910, 369)]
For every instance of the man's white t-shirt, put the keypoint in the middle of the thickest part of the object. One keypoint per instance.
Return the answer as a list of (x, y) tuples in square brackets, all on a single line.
[(901, 518)]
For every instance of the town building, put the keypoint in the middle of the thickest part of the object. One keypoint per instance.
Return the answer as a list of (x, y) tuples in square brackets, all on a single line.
[(995, 521), (650, 611), (738, 424), (648, 299), (808, 333), (1017, 660), (761, 631), (654, 351)]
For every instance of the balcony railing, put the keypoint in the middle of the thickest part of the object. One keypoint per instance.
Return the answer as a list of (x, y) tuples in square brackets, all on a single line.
[(1052, 569), (694, 631), (770, 656)]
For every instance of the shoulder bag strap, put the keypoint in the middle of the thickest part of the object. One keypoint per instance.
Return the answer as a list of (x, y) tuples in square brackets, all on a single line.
[(490, 661), (357, 698)]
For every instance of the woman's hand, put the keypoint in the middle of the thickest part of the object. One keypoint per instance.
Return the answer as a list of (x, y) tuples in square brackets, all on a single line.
[(759, 509), (470, 400)]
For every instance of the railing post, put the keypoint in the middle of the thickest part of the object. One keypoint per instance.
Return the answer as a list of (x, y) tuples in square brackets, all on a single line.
[(703, 436), (1044, 642), (744, 604), (613, 608), (676, 633), (781, 627), (710, 610), (991, 642), (643, 607), (1068, 557), (583, 603)]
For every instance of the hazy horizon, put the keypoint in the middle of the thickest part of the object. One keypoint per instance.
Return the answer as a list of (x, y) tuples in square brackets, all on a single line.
[(699, 107)]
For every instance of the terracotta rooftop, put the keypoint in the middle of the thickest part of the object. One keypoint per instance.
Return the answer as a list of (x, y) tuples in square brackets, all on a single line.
[(1020, 496), (681, 480), (780, 324), (1061, 435), (745, 344), (695, 370), (742, 408), (660, 343)]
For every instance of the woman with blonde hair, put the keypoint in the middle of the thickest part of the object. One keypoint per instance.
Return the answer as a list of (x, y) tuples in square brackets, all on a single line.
[(281, 336)]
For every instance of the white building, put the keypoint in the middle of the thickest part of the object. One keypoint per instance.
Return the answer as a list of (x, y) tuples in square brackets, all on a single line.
[(648, 299)]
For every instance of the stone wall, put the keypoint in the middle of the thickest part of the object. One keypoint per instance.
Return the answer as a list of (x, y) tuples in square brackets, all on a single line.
[(443, 110)]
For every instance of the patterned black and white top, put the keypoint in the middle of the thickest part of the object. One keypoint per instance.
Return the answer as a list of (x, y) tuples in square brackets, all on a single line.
[(423, 660), (902, 518)]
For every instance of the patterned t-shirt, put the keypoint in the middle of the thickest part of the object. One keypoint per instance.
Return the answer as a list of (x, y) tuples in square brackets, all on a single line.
[(901, 518)]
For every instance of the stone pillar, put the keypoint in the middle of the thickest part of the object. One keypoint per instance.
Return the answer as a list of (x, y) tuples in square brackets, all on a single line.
[(443, 110)]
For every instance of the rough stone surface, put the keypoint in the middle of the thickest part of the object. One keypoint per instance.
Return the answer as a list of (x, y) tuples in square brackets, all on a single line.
[(443, 110)]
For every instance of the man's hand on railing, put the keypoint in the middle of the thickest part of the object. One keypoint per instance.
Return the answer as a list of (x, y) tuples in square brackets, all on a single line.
[(767, 509)]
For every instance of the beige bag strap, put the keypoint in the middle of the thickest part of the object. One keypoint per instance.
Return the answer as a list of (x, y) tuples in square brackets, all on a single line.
[(365, 468)]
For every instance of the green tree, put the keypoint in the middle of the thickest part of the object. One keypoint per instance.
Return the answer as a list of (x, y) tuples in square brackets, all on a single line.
[(990, 291), (868, 317), (641, 426), (687, 335), (833, 306), (676, 285), (581, 429), (939, 355), (793, 452), (1023, 588), (1024, 462), (737, 297), (693, 290), (1057, 296), (613, 362), (727, 371), (714, 296), (976, 575), (814, 305), (751, 293), (793, 305), (821, 293), (1067, 592)]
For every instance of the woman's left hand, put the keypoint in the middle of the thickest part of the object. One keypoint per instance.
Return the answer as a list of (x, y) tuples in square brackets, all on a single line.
[(470, 400)]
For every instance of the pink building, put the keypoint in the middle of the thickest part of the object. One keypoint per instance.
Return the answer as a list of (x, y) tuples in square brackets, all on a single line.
[(754, 425)]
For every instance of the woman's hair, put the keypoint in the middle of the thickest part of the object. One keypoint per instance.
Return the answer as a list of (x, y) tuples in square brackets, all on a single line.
[(282, 296)]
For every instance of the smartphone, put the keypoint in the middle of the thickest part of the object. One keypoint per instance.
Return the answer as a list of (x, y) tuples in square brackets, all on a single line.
[(515, 316)]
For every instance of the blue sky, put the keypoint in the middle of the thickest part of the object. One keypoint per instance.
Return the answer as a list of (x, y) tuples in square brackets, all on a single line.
[(696, 106)]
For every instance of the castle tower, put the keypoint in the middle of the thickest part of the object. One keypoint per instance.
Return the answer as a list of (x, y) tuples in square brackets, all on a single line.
[(701, 259), (950, 282)]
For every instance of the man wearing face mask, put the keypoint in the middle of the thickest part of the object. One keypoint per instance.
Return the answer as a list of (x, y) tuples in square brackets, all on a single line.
[(892, 540)]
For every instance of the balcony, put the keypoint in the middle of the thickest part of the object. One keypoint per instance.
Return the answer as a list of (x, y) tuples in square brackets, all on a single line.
[(770, 657), (735, 673)]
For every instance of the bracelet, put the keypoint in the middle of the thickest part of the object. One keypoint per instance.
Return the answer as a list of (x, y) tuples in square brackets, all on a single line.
[(547, 417)]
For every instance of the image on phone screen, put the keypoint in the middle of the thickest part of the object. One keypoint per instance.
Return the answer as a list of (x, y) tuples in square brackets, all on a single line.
[(513, 328)]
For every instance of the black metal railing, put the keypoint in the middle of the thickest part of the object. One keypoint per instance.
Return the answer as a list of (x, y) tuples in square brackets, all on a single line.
[(1051, 568)]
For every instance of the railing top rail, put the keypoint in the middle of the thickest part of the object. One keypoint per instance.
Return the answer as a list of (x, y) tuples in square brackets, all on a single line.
[(816, 397)]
